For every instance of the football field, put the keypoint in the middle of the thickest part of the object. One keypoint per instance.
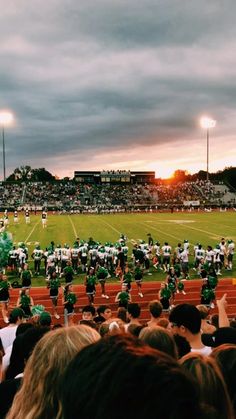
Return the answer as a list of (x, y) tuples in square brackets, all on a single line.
[(204, 228)]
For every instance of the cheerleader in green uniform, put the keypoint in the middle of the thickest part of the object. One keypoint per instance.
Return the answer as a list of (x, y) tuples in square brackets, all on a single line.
[(26, 277), (68, 300), (54, 285), (207, 294), (127, 277), (102, 274), (123, 297), (25, 302), (165, 296), (180, 287), (138, 277), (90, 284), (4, 296)]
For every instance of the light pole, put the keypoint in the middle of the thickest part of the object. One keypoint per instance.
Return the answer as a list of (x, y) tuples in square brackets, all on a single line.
[(5, 119), (207, 123)]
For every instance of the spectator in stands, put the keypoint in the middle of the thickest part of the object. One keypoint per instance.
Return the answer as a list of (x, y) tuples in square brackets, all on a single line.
[(133, 314), (155, 309), (38, 396), (185, 321), (206, 326), (138, 371), (219, 337), (8, 333), (213, 391), (22, 349), (225, 356), (103, 313), (159, 338)]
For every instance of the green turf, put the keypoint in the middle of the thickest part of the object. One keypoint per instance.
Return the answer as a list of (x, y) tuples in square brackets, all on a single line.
[(206, 228)]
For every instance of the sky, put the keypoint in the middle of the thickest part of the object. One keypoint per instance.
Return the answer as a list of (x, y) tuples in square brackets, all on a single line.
[(101, 84)]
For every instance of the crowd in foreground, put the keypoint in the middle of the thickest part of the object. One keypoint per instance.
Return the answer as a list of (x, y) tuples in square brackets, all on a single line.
[(110, 365)]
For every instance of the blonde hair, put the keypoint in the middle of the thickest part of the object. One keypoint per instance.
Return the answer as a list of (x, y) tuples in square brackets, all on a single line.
[(38, 395)]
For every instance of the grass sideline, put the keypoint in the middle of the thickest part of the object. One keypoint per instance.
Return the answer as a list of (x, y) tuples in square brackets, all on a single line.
[(206, 228)]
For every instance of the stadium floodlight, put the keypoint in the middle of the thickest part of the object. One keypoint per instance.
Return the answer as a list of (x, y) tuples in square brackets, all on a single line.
[(207, 123), (6, 118)]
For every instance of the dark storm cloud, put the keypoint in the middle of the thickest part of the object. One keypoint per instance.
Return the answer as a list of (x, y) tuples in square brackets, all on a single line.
[(84, 77)]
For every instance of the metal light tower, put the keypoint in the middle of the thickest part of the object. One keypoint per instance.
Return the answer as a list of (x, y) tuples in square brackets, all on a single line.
[(5, 119), (207, 123)]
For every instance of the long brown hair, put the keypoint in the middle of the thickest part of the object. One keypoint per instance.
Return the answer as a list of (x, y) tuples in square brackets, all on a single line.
[(212, 387)]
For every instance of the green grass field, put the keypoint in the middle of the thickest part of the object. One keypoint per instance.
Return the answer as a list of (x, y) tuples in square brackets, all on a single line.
[(206, 228)]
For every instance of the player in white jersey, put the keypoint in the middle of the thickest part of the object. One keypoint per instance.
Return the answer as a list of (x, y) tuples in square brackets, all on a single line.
[(199, 255), (65, 256), (6, 218), (184, 263), (166, 252), (186, 245), (27, 216), (15, 217), (44, 219), (222, 245), (230, 254), (217, 259), (37, 256), (75, 257), (209, 256)]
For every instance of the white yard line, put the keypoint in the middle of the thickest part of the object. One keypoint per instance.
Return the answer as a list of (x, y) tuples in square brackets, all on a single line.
[(32, 231), (166, 234), (73, 226), (117, 231), (202, 231)]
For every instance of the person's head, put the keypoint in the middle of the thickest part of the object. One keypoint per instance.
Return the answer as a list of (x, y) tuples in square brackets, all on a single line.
[(219, 337), (104, 311), (133, 310), (163, 322), (203, 310), (122, 314), (124, 287), (45, 319), (155, 308), (211, 384), (185, 320), (159, 338), (134, 366), (88, 312), (23, 345), (16, 316), (38, 395), (225, 356)]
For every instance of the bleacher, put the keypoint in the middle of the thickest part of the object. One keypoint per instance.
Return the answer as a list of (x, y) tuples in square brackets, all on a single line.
[(150, 292)]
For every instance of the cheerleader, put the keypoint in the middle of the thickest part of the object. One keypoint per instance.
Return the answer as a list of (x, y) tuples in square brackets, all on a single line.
[(165, 296), (26, 277), (171, 281), (102, 274), (207, 294), (138, 277), (25, 302), (68, 300), (4, 296), (90, 284), (180, 287), (127, 277), (54, 285), (123, 297)]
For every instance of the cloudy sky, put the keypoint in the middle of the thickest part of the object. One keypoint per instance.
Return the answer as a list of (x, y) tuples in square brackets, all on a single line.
[(118, 84)]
